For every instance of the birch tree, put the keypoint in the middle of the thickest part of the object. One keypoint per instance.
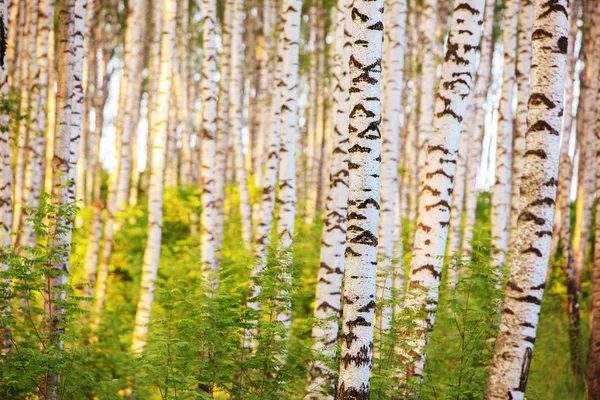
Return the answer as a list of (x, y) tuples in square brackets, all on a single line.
[(155, 194), (435, 200), (333, 240), (501, 192), (525, 286), (363, 200), (208, 132)]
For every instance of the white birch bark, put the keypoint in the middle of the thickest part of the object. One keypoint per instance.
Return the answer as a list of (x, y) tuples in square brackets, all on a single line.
[(394, 19), (522, 70), (311, 113), (208, 132), (290, 16), (236, 122), (525, 286), (155, 195), (184, 119), (435, 199), (92, 250), (132, 60), (427, 26), (333, 241), (501, 192), (363, 200), (70, 11), (5, 176), (222, 127), (475, 144)]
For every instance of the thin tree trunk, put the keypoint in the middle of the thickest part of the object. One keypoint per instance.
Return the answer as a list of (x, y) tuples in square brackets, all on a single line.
[(291, 11), (333, 242), (525, 287), (155, 194), (363, 200), (93, 250), (5, 176), (182, 75), (475, 144), (208, 132), (70, 64), (222, 127), (522, 72), (501, 193), (435, 200), (393, 77), (311, 114), (236, 122)]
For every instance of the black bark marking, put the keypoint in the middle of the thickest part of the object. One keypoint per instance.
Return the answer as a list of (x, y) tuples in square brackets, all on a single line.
[(352, 393), (426, 228), (377, 26), (447, 110), (539, 287), (368, 307), (511, 284), (3, 43), (527, 216), (366, 238), (452, 53), (354, 215), (538, 153), (441, 203), (368, 202), (543, 233), (440, 171), (541, 126), (467, 7), (553, 6), (431, 149), (351, 253), (359, 149), (373, 126), (359, 108), (532, 249), (551, 182), (540, 34), (546, 201), (528, 299), (537, 99), (525, 370), (433, 191), (354, 228), (356, 15), (563, 44), (325, 305), (429, 267)]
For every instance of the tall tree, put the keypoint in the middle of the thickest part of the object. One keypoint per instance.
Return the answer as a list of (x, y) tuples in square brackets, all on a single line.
[(525, 286), (155, 193), (501, 192), (435, 201), (71, 13), (475, 144), (333, 241), (363, 200), (208, 131), (392, 73)]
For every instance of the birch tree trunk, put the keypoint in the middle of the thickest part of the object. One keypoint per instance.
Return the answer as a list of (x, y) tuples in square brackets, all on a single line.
[(155, 194), (475, 144), (435, 201), (393, 76), (236, 122), (184, 120), (222, 126), (522, 71), (93, 250), (525, 287), (586, 127), (501, 193), (71, 12), (333, 241), (5, 176), (291, 11), (132, 61), (208, 132), (311, 112), (428, 23), (363, 201)]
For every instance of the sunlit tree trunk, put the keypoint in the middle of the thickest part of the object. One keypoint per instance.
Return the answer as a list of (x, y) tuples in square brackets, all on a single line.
[(182, 74), (392, 74), (311, 111), (208, 130), (133, 58), (157, 174), (522, 70), (435, 200), (501, 192), (333, 241), (525, 286), (236, 122), (475, 144), (586, 127), (92, 250), (287, 168), (363, 201), (70, 65), (427, 26), (222, 127), (5, 176)]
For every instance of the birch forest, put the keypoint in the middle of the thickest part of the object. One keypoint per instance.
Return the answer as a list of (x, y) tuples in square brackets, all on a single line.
[(300, 199)]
